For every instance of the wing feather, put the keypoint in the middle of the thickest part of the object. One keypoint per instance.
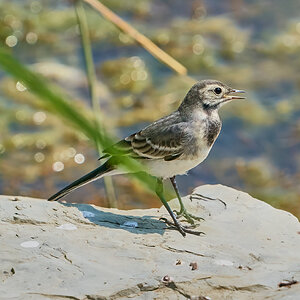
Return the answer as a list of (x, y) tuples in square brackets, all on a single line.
[(163, 139)]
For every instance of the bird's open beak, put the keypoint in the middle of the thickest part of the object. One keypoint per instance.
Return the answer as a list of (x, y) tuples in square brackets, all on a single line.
[(231, 96)]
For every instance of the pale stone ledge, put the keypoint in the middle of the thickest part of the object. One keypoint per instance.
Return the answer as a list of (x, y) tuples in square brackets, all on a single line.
[(50, 250)]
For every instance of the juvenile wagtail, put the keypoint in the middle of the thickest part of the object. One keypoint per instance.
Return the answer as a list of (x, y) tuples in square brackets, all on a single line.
[(172, 145)]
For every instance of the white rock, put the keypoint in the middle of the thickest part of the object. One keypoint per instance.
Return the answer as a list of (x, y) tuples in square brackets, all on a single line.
[(223, 262), (88, 214), (30, 244), (248, 249), (130, 224)]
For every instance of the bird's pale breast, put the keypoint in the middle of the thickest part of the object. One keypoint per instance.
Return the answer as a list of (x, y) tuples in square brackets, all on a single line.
[(167, 169), (205, 130)]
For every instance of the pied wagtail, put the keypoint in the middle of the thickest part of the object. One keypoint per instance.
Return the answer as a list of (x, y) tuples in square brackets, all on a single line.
[(173, 144)]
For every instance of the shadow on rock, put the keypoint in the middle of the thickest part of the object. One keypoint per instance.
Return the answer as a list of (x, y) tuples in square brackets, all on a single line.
[(131, 223)]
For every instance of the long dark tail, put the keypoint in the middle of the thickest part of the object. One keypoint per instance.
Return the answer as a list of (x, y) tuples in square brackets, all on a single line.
[(95, 174)]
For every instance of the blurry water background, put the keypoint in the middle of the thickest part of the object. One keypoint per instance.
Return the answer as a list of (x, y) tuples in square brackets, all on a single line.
[(251, 45)]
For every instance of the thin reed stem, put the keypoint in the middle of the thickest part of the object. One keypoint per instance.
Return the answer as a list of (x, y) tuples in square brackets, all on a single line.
[(139, 37), (91, 77)]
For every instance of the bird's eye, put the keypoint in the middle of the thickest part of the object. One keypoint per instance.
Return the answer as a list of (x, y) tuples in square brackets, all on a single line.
[(218, 90)]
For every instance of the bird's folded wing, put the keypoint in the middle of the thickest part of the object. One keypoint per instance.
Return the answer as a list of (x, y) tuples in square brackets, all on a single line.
[(154, 142)]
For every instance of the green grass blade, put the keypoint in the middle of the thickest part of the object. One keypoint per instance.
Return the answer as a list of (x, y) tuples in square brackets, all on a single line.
[(56, 102)]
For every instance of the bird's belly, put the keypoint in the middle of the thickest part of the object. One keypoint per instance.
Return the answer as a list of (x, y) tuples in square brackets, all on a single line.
[(167, 169)]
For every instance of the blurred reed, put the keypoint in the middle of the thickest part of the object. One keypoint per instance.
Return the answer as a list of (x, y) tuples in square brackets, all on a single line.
[(91, 78)]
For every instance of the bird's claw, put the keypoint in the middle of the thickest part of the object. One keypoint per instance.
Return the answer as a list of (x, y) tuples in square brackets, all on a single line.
[(197, 196), (182, 229), (188, 217)]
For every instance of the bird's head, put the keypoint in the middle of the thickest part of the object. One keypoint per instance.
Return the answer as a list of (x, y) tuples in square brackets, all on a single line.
[(210, 95)]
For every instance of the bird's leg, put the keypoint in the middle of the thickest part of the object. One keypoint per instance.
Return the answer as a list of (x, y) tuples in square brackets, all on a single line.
[(176, 224), (160, 194), (183, 212)]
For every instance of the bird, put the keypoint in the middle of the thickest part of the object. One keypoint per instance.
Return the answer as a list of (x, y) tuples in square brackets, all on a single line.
[(170, 146)]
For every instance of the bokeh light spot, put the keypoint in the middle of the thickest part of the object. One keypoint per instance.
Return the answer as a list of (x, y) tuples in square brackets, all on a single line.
[(11, 41), (58, 166), (79, 158), (124, 38), (198, 48), (125, 79), (40, 144), (39, 117), (71, 152), (20, 87), (39, 157), (31, 38), (36, 7)]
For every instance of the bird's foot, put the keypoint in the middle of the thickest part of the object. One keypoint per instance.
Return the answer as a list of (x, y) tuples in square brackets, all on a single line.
[(197, 196), (182, 229), (188, 217)]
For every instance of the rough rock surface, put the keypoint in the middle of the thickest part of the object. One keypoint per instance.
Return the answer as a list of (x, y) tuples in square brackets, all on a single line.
[(61, 251)]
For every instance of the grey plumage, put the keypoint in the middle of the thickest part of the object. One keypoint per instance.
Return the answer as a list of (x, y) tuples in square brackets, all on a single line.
[(173, 144)]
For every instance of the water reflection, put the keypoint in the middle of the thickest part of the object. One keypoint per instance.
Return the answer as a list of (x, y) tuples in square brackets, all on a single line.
[(253, 46)]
